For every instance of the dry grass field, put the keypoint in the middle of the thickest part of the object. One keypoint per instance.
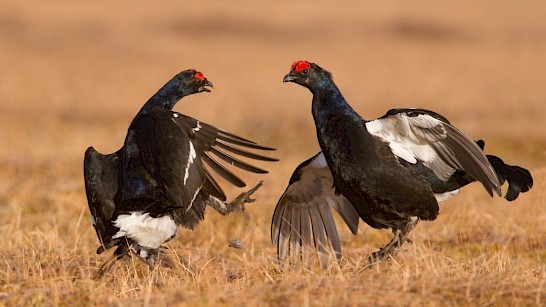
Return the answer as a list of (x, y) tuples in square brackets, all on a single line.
[(74, 73)]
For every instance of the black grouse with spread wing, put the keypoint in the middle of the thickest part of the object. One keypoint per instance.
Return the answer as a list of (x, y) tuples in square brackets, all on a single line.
[(158, 180), (391, 172)]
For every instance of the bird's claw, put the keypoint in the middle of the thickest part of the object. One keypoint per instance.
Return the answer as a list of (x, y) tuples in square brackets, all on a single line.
[(380, 255), (239, 203)]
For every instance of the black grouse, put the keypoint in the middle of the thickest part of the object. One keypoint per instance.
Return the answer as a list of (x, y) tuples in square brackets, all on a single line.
[(139, 195), (391, 172)]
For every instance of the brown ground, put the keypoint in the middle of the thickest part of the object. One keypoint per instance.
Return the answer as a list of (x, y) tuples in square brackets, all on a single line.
[(74, 73)]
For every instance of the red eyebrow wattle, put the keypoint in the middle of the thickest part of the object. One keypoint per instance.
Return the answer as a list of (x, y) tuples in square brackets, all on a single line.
[(300, 65), (199, 75)]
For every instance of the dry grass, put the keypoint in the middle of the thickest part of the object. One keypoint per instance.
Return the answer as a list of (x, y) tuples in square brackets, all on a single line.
[(73, 74)]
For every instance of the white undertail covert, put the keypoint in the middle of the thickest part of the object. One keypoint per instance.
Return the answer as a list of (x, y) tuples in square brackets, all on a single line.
[(147, 231)]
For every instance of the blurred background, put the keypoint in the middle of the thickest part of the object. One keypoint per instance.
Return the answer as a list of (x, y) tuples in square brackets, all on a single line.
[(74, 73)]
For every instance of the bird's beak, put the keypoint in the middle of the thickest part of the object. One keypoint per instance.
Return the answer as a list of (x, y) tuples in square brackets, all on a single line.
[(289, 78), (204, 87)]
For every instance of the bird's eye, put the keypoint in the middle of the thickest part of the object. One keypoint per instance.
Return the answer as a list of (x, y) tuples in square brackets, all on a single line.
[(198, 81), (305, 71)]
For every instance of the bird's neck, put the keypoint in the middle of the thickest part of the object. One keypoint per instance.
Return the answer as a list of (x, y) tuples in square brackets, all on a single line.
[(328, 101), (166, 98), (341, 131)]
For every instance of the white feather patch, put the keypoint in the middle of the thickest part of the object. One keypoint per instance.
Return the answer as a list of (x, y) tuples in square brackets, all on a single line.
[(393, 133), (197, 128), (374, 126), (444, 196), (319, 161), (145, 230), (412, 139), (191, 157), (193, 199)]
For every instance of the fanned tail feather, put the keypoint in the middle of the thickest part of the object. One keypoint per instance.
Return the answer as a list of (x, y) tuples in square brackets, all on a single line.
[(519, 179)]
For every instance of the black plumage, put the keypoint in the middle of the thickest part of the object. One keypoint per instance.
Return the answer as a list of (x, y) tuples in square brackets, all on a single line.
[(390, 172), (159, 179)]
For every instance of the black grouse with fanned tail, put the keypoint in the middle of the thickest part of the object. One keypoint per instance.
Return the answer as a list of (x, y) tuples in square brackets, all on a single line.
[(391, 172), (160, 178)]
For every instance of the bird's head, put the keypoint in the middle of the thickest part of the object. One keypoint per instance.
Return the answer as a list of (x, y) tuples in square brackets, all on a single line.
[(183, 84), (190, 82), (307, 74)]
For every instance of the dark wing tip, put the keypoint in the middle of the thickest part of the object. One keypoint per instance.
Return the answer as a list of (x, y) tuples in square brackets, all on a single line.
[(242, 142), (236, 162), (244, 153), (222, 171)]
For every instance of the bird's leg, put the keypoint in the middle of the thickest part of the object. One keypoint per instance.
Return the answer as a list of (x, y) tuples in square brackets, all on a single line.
[(165, 259), (150, 260), (149, 257), (237, 205), (400, 236), (106, 266), (145, 255)]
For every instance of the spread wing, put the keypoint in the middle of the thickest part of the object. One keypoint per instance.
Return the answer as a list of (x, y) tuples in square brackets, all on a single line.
[(303, 217), (217, 144), (170, 150), (101, 175), (420, 135)]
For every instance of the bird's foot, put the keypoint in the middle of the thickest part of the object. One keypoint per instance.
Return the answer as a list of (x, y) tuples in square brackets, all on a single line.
[(105, 267), (238, 204), (150, 260), (164, 258), (400, 237), (120, 252), (382, 254), (146, 255)]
